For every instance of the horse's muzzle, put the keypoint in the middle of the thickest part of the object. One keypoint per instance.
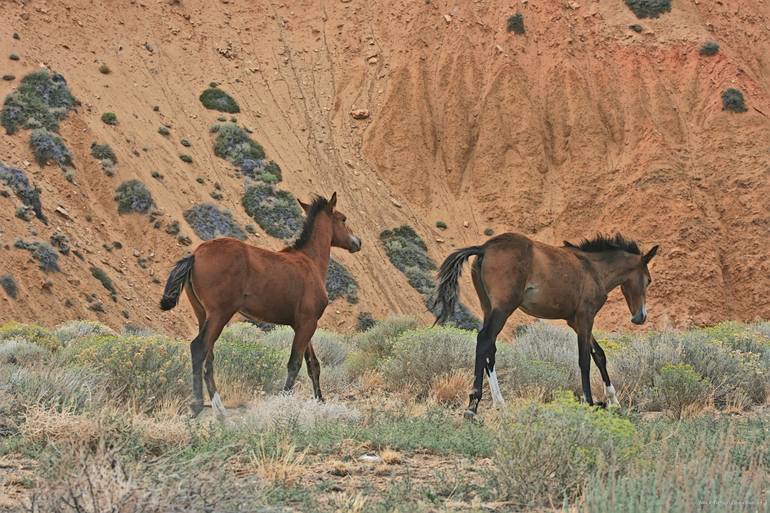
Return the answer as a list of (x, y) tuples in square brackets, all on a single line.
[(640, 317), (355, 245)]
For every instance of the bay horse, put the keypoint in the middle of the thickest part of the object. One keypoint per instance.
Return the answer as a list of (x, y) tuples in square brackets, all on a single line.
[(226, 276), (570, 282)]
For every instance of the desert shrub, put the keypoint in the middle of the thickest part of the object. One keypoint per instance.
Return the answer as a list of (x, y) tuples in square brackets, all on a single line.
[(636, 28), (732, 100), (104, 69), (233, 144), (49, 147), (251, 363), (419, 356), (133, 196), (515, 23), (340, 283), (364, 321), (105, 280), (74, 330), (375, 345), (185, 143), (61, 242), (276, 212), (679, 387), (546, 453), (9, 77), (214, 98), (330, 348), (242, 332), (547, 348), (441, 225), (209, 222), (262, 170), (31, 333), (145, 371), (489, 232), (9, 286), (17, 180), (649, 8), (103, 152), (21, 352), (44, 254), (164, 130), (536, 378), (185, 158), (55, 387), (709, 48), (41, 100), (110, 118), (14, 56)]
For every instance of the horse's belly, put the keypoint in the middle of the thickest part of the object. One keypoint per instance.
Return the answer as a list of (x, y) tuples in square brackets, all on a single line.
[(542, 305)]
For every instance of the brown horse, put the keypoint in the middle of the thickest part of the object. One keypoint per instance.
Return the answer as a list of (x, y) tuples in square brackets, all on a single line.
[(226, 276), (571, 282)]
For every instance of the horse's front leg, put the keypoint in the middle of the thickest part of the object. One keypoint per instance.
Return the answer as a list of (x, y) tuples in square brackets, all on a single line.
[(583, 329), (303, 332)]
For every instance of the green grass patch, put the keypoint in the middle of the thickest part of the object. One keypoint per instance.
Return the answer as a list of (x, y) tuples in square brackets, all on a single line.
[(214, 98)]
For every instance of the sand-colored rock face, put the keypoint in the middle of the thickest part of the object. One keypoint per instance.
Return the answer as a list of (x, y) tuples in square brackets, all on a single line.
[(579, 125)]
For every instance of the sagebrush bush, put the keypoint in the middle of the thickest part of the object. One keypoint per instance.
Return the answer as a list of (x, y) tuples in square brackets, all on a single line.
[(105, 280), (103, 152), (276, 212), (551, 350), (110, 118), (441, 225), (214, 98), (133, 196), (21, 352), (146, 372), (164, 130), (42, 100), (18, 182), (419, 356), (9, 286), (340, 283), (233, 144), (515, 23), (209, 222), (649, 8), (262, 170), (709, 48), (56, 387), (29, 333), (49, 147), (375, 345), (251, 363), (330, 348), (73, 330), (546, 453), (44, 254), (364, 321), (732, 100), (679, 387)]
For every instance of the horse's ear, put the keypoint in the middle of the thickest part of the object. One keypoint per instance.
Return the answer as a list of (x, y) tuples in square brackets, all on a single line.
[(333, 201), (651, 253), (304, 206)]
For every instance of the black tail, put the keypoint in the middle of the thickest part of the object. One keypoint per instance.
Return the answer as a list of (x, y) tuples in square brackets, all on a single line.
[(448, 274), (175, 283)]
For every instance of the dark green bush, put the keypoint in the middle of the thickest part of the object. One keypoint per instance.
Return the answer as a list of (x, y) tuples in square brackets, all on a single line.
[(216, 99), (105, 280), (732, 100), (233, 144), (14, 57), (489, 232), (103, 152), (709, 48), (277, 212), (110, 118), (17, 180), (649, 8), (516, 23), (268, 172), (49, 147), (441, 225), (9, 285), (9, 77), (43, 253), (364, 321), (340, 283), (209, 222), (185, 158), (133, 196), (41, 100), (163, 130), (679, 387)]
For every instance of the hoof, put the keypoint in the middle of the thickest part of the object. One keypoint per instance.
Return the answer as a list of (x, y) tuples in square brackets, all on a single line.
[(195, 409), (320, 399), (600, 404), (469, 415)]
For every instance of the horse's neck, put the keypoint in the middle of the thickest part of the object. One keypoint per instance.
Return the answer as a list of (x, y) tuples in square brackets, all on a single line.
[(319, 246), (612, 268)]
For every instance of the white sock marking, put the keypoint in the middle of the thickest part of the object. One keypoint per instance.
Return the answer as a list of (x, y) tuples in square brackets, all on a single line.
[(494, 386), (218, 405), (612, 398)]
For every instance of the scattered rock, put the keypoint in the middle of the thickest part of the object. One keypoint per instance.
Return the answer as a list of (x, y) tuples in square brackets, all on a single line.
[(359, 113), (63, 212), (370, 458), (448, 18), (395, 203)]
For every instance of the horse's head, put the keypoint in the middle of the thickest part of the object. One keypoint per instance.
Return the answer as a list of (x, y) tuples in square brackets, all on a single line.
[(342, 236), (635, 287)]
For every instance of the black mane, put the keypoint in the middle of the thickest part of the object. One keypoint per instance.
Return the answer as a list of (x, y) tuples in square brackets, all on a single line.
[(319, 203), (604, 242)]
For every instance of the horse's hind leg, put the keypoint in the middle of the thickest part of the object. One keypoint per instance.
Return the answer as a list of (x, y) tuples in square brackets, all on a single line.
[(200, 349), (486, 307), (485, 356), (314, 371), (216, 401), (601, 362)]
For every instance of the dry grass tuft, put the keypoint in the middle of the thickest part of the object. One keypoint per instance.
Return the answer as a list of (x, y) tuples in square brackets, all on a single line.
[(279, 465), (451, 389), (344, 503), (339, 468), (52, 426), (391, 457), (290, 410), (372, 381)]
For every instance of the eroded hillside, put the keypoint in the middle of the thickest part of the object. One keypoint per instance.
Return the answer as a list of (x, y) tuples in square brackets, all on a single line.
[(578, 125)]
